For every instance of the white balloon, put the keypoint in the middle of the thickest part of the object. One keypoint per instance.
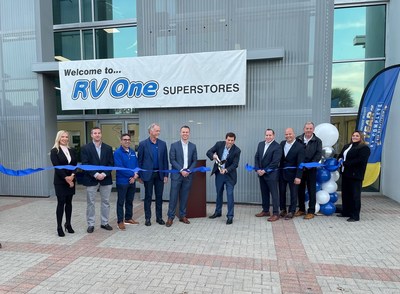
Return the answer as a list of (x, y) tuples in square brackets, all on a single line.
[(329, 186), (328, 134), (335, 175), (317, 207), (323, 197)]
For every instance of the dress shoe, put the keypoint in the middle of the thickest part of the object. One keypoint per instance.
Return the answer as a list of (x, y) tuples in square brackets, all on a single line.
[(273, 218), (69, 229), (352, 220), (131, 222), (121, 226), (60, 232), (160, 222), (90, 229), (289, 216), (299, 213), (184, 220), (215, 215), (283, 213), (263, 213), (341, 215), (309, 216), (229, 221), (147, 223), (106, 227), (169, 222)]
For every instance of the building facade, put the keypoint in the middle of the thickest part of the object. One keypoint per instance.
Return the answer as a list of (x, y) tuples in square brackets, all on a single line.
[(293, 64)]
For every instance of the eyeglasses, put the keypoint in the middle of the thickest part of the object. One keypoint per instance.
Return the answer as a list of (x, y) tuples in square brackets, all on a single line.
[(126, 140)]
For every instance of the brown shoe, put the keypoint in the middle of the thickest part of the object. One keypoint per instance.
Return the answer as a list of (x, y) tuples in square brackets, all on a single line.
[(289, 216), (184, 220), (263, 213), (169, 222), (299, 213), (283, 213), (273, 218), (131, 222), (121, 226), (309, 216)]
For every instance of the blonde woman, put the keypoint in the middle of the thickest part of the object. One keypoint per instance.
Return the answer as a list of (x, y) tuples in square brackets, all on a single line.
[(64, 180)]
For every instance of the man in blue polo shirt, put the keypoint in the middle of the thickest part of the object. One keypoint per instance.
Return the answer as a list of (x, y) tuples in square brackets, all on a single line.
[(125, 156)]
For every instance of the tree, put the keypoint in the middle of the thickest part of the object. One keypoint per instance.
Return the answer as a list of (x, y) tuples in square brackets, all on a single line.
[(341, 97)]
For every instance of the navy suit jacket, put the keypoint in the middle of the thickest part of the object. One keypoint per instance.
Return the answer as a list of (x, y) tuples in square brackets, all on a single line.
[(176, 158), (232, 160), (89, 156), (294, 157), (270, 160), (145, 159)]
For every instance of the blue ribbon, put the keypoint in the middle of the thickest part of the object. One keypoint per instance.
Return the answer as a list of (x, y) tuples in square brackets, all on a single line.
[(301, 166), (29, 171)]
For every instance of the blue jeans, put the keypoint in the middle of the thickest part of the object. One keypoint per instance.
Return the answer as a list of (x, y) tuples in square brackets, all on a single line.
[(125, 195), (179, 188), (220, 182), (158, 186)]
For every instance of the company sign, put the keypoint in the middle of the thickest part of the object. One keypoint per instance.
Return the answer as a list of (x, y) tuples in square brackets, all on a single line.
[(179, 80)]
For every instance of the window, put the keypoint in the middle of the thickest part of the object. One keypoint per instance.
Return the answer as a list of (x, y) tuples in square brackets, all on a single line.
[(67, 45), (65, 11), (114, 9), (68, 11), (358, 52), (349, 80), (116, 42), (112, 34)]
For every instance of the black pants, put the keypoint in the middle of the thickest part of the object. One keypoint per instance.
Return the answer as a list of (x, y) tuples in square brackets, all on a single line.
[(64, 202), (293, 194), (308, 179), (351, 197)]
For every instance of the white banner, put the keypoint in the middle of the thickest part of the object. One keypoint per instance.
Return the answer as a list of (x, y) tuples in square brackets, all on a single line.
[(179, 80)]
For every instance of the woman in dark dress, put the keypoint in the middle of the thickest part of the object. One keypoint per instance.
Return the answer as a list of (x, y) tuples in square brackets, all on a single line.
[(64, 180), (355, 158)]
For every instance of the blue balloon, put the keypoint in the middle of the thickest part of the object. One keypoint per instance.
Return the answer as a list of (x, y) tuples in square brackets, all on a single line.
[(331, 164), (328, 208), (323, 175), (318, 186), (334, 197)]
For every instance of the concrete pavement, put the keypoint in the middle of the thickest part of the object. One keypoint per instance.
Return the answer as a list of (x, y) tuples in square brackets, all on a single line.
[(322, 255)]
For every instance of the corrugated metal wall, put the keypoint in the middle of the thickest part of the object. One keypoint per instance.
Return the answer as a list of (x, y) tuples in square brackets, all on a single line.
[(22, 143), (280, 93)]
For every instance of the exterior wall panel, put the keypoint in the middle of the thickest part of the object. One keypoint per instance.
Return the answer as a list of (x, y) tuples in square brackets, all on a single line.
[(390, 152), (280, 93), (22, 125)]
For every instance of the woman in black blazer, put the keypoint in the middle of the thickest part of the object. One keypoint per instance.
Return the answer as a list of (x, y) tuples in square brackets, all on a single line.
[(355, 158), (64, 180)]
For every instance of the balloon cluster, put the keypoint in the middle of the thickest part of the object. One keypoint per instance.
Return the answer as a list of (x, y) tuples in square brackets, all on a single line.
[(328, 175)]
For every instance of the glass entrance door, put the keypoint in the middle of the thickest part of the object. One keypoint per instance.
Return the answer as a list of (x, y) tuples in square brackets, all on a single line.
[(112, 131)]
